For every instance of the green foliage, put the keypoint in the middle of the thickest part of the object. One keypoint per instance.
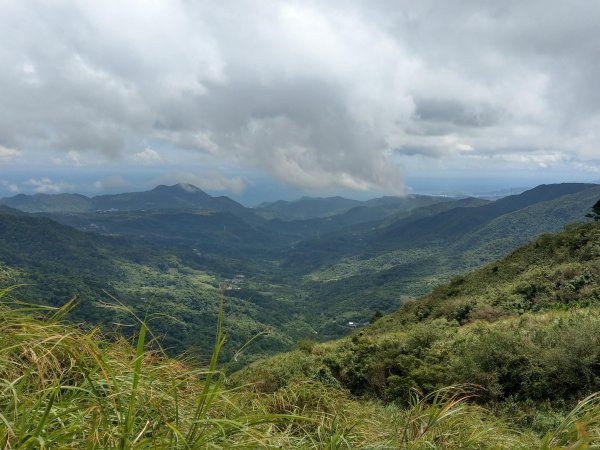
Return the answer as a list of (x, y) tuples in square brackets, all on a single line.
[(170, 263), (62, 388), (595, 214), (378, 315), (523, 331), (552, 356)]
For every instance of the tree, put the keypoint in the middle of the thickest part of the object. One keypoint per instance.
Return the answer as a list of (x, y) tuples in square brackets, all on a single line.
[(595, 214), (378, 315)]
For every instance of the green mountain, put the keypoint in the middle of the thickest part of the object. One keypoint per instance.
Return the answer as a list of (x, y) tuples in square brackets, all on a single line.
[(458, 222), (82, 390), (344, 210), (179, 196), (384, 207), (291, 279), (353, 275), (203, 230), (52, 262), (308, 207), (523, 331), (73, 203), (496, 358), (504, 357)]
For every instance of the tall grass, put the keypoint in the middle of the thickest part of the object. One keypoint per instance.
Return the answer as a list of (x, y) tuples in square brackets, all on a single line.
[(579, 430), (64, 387), (61, 387)]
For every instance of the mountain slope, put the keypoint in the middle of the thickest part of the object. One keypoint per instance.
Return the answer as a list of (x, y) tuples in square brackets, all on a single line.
[(350, 277), (72, 203), (174, 260), (458, 222), (54, 262), (179, 196), (348, 211), (509, 231), (111, 393), (308, 207), (206, 230), (524, 328)]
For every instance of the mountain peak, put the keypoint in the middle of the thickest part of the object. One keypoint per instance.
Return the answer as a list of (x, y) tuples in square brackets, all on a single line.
[(188, 187)]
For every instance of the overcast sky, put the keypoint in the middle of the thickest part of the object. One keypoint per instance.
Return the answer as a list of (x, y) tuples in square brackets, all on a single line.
[(313, 96)]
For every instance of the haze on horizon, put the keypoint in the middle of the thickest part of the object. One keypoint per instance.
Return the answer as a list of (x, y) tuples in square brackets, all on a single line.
[(266, 99)]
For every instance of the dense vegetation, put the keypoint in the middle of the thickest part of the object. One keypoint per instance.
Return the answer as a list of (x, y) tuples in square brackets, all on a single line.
[(523, 331), (51, 263), (283, 279), (517, 341)]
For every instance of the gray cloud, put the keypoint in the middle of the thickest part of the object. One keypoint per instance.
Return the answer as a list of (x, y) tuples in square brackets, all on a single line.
[(318, 94), (456, 113), (110, 183)]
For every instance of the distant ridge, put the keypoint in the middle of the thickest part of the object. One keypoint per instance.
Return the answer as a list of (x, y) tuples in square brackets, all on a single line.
[(178, 196), (7, 210), (353, 211), (309, 207), (458, 221), (49, 203)]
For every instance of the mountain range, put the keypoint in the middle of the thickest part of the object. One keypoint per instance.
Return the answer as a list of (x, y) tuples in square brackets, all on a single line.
[(179, 196), (503, 357), (172, 249)]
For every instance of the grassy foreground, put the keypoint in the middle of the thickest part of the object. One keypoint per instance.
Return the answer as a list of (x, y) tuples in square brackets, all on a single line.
[(67, 388)]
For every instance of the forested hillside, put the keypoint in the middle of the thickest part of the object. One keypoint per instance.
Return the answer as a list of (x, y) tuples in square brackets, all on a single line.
[(286, 279), (522, 332), (51, 263), (505, 357), (289, 279)]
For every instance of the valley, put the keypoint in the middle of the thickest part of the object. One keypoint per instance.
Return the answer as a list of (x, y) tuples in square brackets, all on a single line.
[(504, 356), (170, 252)]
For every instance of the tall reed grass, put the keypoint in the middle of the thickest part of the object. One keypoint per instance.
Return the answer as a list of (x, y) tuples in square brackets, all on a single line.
[(68, 387), (63, 387)]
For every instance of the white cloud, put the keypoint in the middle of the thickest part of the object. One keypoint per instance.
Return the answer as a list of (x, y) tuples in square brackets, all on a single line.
[(541, 159), (207, 180), (318, 94), (74, 157), (6, 152), (12, 187), (147, 156), (464, 147), (588, 167), (47, 186)]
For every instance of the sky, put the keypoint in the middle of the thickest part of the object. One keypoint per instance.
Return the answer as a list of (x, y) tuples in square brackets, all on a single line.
[(271, 99)]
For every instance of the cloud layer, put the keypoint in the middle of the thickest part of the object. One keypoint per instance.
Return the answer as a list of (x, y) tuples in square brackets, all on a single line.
[(318, 94)]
